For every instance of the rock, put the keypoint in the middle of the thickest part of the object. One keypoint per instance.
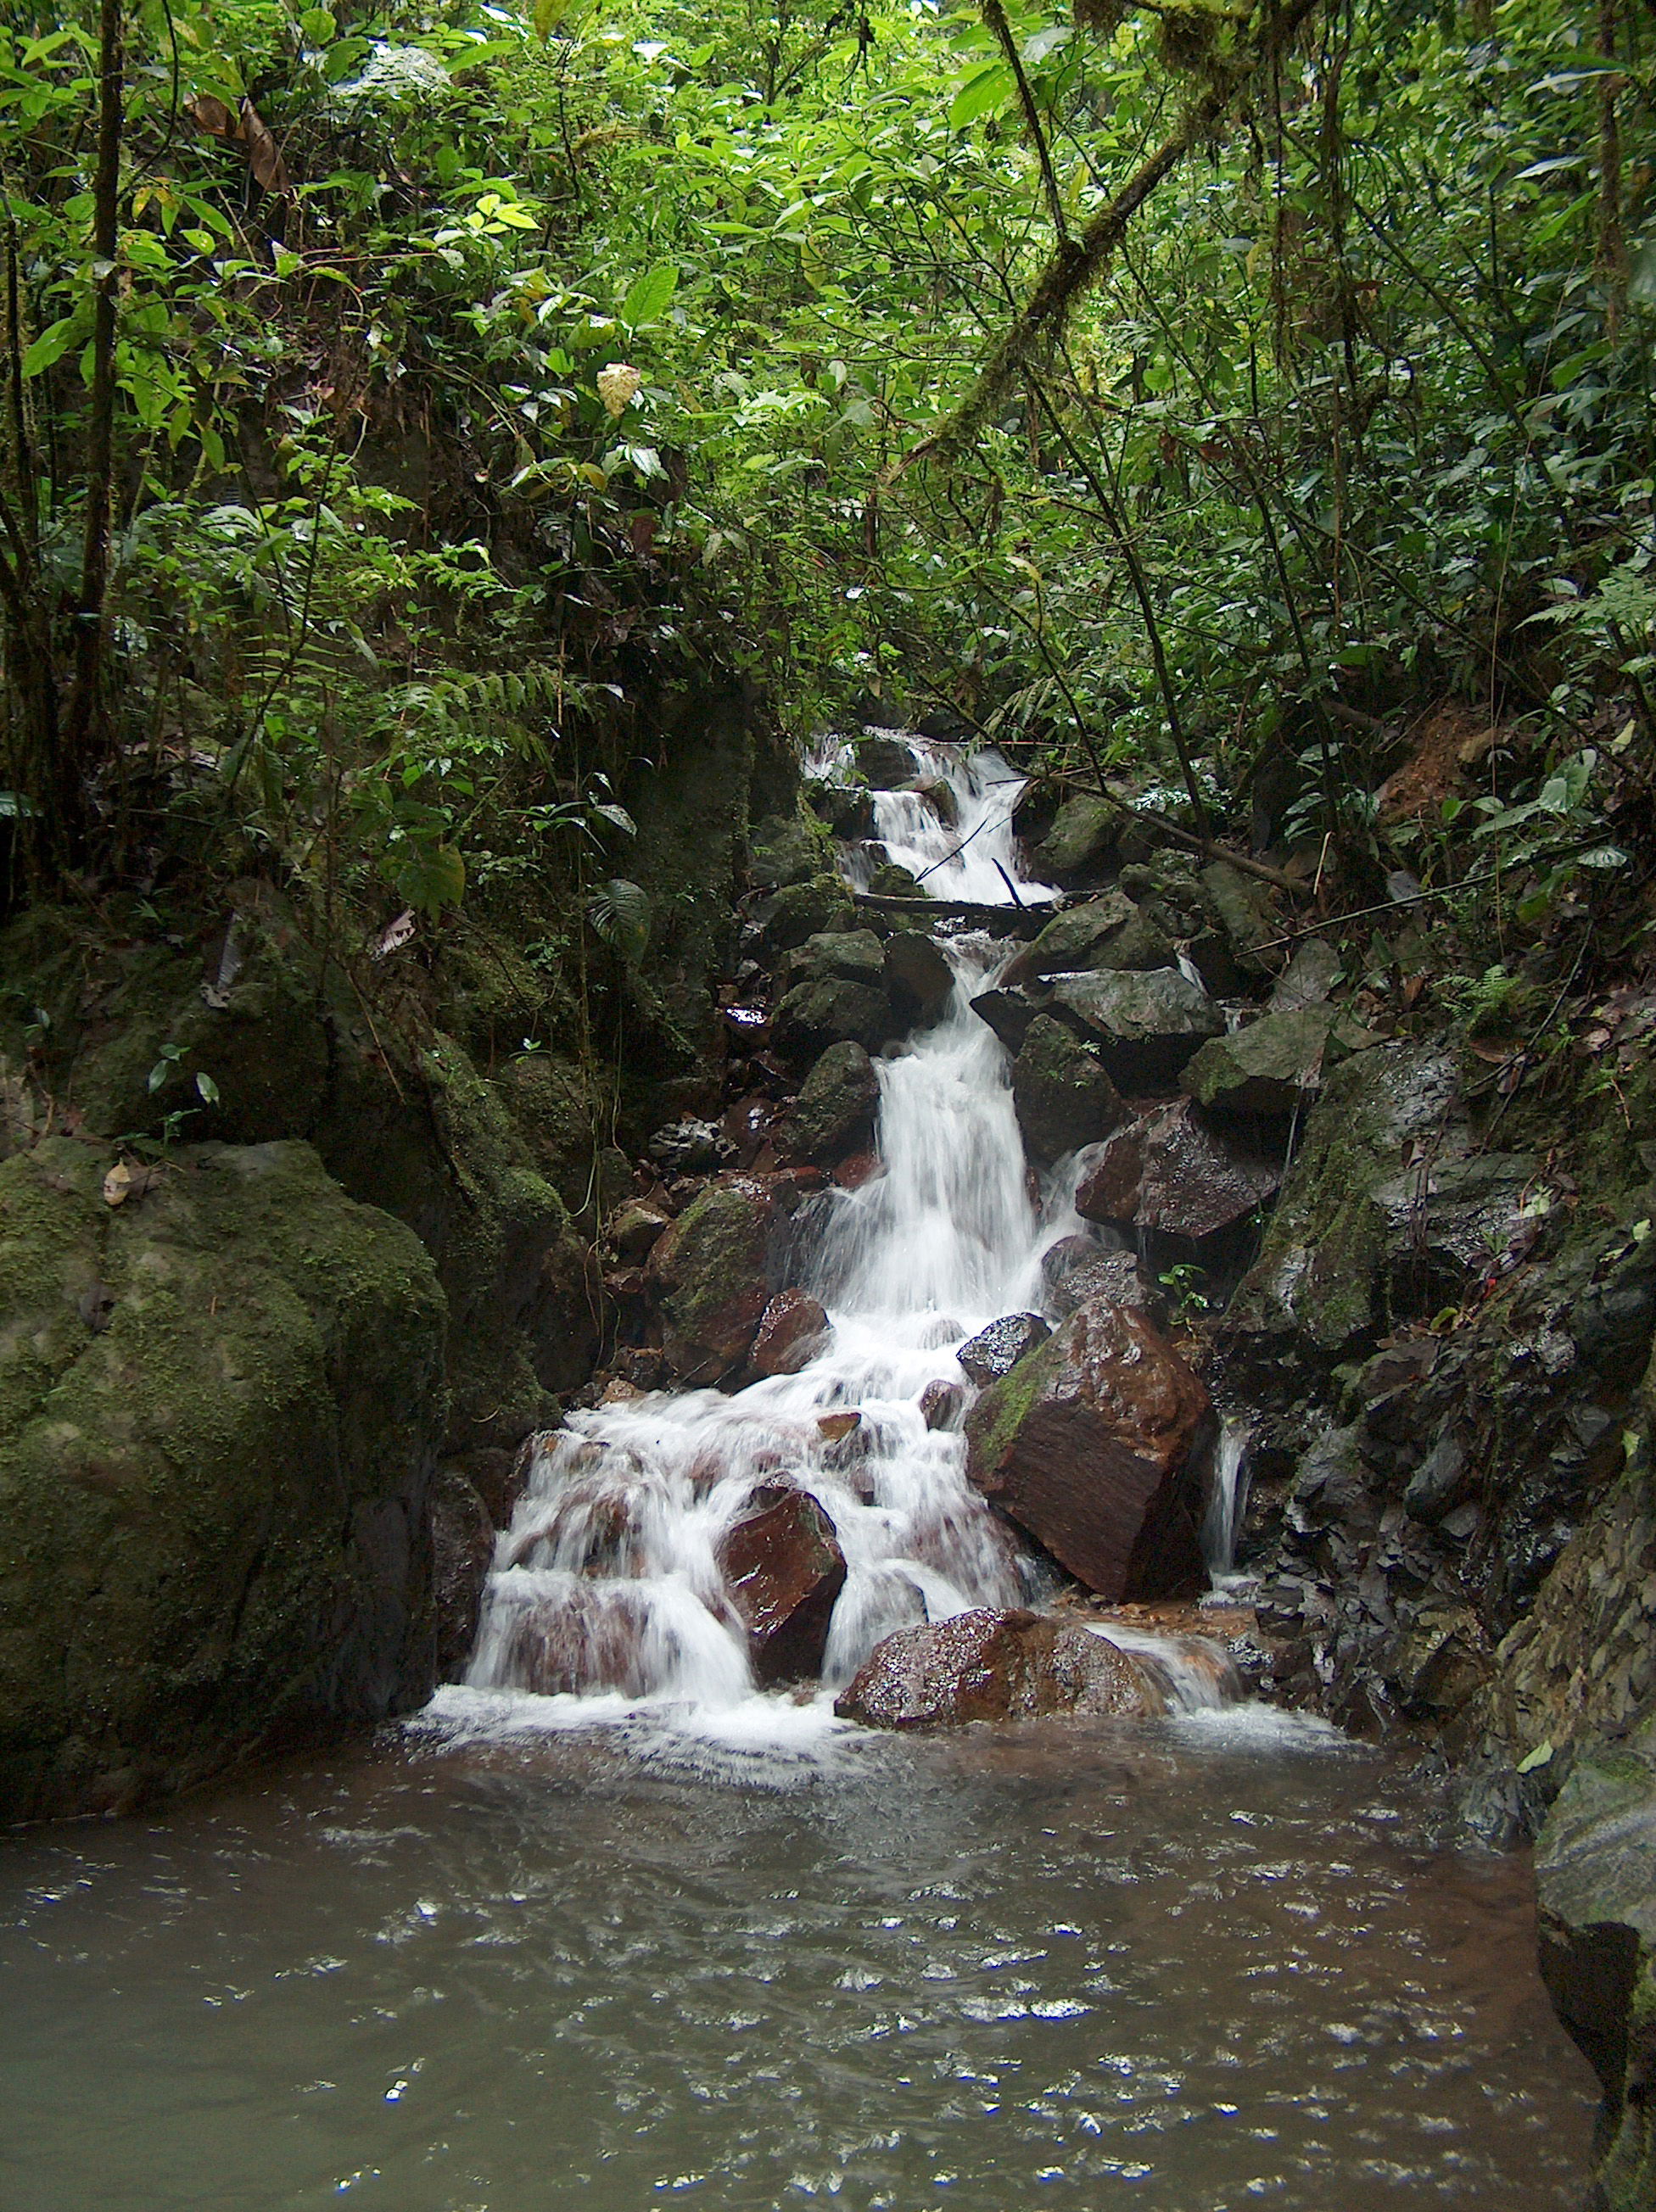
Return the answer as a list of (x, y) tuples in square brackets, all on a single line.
[(1113, 1279), (632, 1229), (1008, 1013), (846, 808), (939, 796), (1308, 979), (214, 1505), (891, 879), (711, 1272), (993, 1666), (917, 974), (1241, 906), (1062, 1097), (791, 1332), (942, 1405), (1090, 1444), (802, 910), (888, 762), (830, 1011), (835, 1428), (690, 1148), (1145, 1025), (1080, 841), (996, 1350), (834, 1113), (783, 1570), (850, 956), (860, 1168), (1168, 1170), (1596, 1888), (462, 1549), (788, 850), (1273, 1066), (1107, 934)]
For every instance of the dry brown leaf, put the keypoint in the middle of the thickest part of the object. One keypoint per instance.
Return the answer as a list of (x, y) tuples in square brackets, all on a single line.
[(395, 934), (264, 156), (118, 1184), (213, 117)]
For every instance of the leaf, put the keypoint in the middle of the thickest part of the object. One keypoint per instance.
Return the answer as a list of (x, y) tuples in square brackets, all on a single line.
[(264, 156), (618, 818), (395, 934), (548, 15), (206, 1089), (1539, 1757), (990, 88), (620, 915), (211, 115), (648, 296), (117, 1184), (430, 878), (51, 346)]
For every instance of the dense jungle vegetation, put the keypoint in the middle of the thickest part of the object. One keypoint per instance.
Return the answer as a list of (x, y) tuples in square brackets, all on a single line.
[(1230, 407)]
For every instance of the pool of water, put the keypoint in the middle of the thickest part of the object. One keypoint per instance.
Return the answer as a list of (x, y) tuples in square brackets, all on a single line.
[(1187, 1967)]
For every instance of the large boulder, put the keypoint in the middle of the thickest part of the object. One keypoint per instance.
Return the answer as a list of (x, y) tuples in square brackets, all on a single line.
[(917, 974), (1092, 1445), (783, 1571), (836, 994), (792, 1331), (712, 1273), (1080, 842), (1008, 1013), (221, 1402), (1144, 1025), (1086, 1276), (1168, 1170), (1595, 1867), (1272, 1068), (889, 762), (1107, 933), (801, 910), (834, 1113), (994, 1665), (1062, 1097)]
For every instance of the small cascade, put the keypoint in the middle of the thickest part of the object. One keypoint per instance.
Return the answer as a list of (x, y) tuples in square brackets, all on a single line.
[(616, 1587), (1227, 1502)]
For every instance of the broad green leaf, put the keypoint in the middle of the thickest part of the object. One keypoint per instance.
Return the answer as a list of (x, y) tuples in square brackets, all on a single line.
[(51, 346), (648, 297), (988, 88)]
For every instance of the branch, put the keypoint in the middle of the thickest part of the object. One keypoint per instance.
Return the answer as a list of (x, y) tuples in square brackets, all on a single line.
[(995, 16)]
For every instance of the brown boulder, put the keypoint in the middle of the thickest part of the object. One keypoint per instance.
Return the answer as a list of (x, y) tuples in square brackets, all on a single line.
[(1169, 1170), (791, 1330), (990, 1666), (711, 1271), (1090, 1445), (783, 1570)]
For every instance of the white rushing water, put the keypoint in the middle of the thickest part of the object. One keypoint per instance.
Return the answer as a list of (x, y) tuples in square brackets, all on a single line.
[(607, 1600)]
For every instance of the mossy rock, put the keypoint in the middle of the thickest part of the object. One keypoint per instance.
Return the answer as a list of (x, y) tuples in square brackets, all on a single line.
[(801, 910), (1271, 1067), (834, 1113), (220, 1403), (714, 1274), (1064, 1098), (1081, 840)]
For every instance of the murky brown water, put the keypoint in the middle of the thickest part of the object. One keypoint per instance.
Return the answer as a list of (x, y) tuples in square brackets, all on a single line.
[(1074, 1968)]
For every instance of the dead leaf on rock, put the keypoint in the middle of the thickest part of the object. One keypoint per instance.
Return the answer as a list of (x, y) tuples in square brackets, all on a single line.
[(395, 934), (124, 1181)]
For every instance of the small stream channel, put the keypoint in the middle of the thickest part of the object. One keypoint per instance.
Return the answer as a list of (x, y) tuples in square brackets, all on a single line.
[(612, 1923)]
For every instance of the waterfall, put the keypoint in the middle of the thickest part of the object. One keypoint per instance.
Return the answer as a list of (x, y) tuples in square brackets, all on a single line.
[(607, 1594)]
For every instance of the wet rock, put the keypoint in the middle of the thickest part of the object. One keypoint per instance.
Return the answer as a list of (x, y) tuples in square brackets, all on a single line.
[(1008, 1013), (993, 1666), (711, 1273), (835, 1428), (846, 808), (1168, 1170), (851, 956), (632, 1229), (1113, 1279), (791, 1332), (1091, 1443), (860, 1168), (1442, 1481), (788, 850), (1145, 1025), (1308, 979), (888, 762), (591, 1638), (830, 1010), (942, 1405), (790, 916), (996, 1350), (1595, 1868), (690, 1148), (1241, 906), (1107, 933), (891, 879), (1062, 1097), (939, 796), (462, 1549), (783, 1569), (834, 1113), (917, 974), (1273, 1066), (1080, 842)]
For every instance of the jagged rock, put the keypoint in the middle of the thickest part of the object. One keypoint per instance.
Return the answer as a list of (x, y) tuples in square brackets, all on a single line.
[(632, 1229), (1273, 1066), (830, 1010), (1308, 979), (847, 808), (783, 1570), (939, 796), (942, 1405), (690, 1148), (1168, 1170), (888, 762), (834, 1113), (835, 1428), (994, 1665), (1144, 1024), (891, 879), (1110, 932), (1080, 841), (1062, 1097), (1595, 1870), (790, 1333), (1241, 906), (803, 910), (221, 1404), (1090, 1444), (916, 972), (462, 1548), (996, 1350), (1008, 1013), (711, 1272), (850, 956), (1113, 1279)]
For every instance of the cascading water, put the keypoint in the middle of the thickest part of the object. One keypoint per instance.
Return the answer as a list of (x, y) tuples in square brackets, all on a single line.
[(609, 1593)]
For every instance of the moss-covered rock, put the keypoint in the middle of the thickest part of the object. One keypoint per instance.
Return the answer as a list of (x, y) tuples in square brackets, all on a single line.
[(220, 1406), (1107, 933), (714, 1273), (1080, 842), (1062, 1095), (1269, 1067), (834, 1113), (801, 910)]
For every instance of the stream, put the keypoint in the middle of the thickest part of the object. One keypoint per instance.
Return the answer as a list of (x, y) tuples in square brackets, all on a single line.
[(613, 1921)]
